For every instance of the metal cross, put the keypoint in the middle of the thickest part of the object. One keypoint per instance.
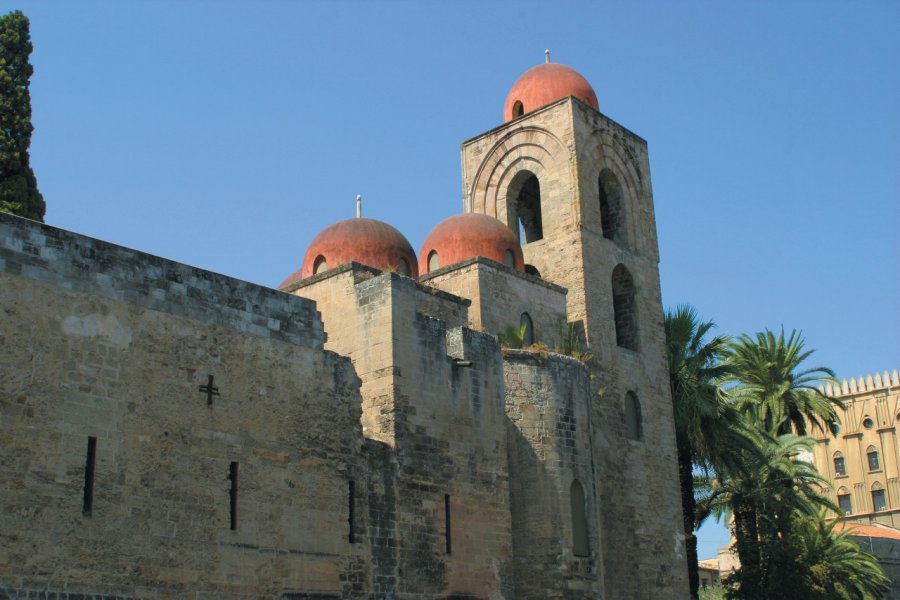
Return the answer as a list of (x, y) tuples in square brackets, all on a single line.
[(210, 390)]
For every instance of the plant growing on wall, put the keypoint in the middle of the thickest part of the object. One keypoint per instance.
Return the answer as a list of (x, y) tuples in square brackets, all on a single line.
[(18, 187)]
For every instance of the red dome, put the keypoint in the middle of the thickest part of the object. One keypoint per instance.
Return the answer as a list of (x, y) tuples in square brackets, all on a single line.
[(547, 83), (468, 235), (365, 241)]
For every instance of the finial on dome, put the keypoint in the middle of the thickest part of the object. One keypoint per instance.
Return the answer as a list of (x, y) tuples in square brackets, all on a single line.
[(547, 55), (359, 206)]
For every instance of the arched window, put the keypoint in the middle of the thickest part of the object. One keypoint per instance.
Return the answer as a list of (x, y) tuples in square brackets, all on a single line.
[(624, 308), (509, 259), (844, 501), (634, 427), (872, 456), (612, 213), (879, 500), (532, 270), (319, 265), (434, 261), (523, 207), (840, 469), (518, 109), (580, 545), (526, 326), (403, 267)]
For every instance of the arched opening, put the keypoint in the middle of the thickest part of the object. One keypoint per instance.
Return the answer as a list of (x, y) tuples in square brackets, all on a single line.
[(879, 500), (319, 265), (845, 503), (518, 109), (840, 468), (612, 206), (624, 308), (523, 207), (403, 267), (868, 423), (434, 261), (580, 545), (526, 326), (634, 427), (532, 270), (509, 259), (872, 457)]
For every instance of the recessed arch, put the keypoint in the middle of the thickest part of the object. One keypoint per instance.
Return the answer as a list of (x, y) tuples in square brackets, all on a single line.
[(612, 206), (434, 261), (320, 265), (634, 426), (518, 109), (624, 308), (578, 505)]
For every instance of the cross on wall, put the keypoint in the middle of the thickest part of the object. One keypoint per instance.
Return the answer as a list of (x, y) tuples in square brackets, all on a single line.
[(210, 390)]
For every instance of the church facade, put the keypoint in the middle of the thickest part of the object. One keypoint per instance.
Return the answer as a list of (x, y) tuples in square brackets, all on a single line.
[(361, 432)]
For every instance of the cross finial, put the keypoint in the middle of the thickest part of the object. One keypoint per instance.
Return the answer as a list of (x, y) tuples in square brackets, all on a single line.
[(547, 55), (359, 206)]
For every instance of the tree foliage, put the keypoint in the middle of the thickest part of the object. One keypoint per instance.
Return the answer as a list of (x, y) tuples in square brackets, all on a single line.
[(18, 187)]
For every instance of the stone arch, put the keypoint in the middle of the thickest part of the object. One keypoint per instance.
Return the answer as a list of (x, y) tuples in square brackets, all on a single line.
[(320, 265), (528, 148), (578, 504), (634, 421), (523, 207), (608, 155), (612, 206), (434, 261), (624, 308)]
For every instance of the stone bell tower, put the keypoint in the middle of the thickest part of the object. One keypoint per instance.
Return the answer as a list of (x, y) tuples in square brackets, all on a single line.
[(575, 186)]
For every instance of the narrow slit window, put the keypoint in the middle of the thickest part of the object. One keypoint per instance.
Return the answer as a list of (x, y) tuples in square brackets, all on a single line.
[(447, 537), (233, 476), (578, 505), (351, 510), (87, 506)]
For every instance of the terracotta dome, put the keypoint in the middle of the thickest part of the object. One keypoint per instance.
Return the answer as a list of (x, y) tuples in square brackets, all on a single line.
[(468, 235), (365, 241), (543, 84)]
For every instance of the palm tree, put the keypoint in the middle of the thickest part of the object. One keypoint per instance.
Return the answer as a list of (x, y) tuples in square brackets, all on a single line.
[(772, 383), (705, 423), (831, 564), (773, 488)]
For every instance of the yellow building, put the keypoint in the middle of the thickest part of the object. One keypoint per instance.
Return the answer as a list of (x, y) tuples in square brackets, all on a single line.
[(861, 456)]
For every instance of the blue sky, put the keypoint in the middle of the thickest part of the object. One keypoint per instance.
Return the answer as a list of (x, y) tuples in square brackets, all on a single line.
[(227, 134)]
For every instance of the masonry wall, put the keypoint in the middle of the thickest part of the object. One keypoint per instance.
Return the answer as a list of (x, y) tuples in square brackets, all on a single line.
[(548, 404), (104, 342), (500, 295)]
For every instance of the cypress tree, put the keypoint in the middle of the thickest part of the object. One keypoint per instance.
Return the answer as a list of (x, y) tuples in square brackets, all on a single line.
[(18, 187)]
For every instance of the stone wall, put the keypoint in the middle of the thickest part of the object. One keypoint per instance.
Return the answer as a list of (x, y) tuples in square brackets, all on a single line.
[(107, 343), (500, 295)]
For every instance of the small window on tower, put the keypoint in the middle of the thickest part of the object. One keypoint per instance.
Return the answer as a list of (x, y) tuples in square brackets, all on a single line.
[(434, 261), (518, 109)]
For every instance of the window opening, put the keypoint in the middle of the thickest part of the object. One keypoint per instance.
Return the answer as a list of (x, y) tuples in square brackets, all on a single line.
[(518, 109), (879, 502), (868, 423), (319, 265), (526, 327), (634, 428), (447, 538), (434, 261), (509, 259), (526, 208), (87, 505), (532, 270), (872, 455), (844, 502), (611, 206), (580, 545), (232, 495), (624, 308), (403, 267), (840, 469), (351, 511)]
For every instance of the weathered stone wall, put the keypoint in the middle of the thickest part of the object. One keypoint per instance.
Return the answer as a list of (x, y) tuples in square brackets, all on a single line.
[(104, 342), (500, 295), (548, 404)]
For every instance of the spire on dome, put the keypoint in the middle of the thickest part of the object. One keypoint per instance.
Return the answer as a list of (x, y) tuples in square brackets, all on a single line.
[(547, 56), (359, 206)]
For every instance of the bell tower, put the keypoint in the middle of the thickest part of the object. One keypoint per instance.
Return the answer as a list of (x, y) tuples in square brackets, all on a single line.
[(575, 187)]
